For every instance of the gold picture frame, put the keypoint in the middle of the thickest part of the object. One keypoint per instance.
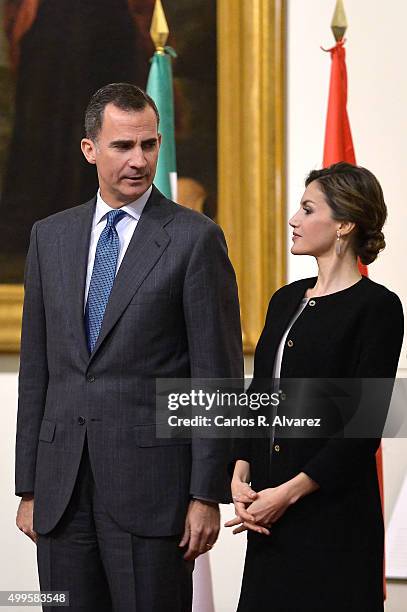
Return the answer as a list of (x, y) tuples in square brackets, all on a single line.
[(251, 151), (251, 161), (11, 308)]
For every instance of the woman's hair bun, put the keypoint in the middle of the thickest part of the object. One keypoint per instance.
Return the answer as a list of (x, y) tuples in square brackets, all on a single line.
[(369, 245)]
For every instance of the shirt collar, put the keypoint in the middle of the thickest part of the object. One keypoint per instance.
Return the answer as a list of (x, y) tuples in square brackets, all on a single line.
[(134, 209)]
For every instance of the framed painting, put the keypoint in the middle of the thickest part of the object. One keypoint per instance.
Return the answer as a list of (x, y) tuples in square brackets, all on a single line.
[(229, 99)]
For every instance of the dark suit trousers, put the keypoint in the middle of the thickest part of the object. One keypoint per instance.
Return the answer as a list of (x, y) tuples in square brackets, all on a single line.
[(105, 568)]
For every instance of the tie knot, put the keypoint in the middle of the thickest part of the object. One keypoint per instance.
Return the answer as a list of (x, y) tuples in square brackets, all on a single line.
[(114, 217)]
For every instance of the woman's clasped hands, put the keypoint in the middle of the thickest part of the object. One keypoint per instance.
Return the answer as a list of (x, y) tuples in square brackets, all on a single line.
[(258, 511)]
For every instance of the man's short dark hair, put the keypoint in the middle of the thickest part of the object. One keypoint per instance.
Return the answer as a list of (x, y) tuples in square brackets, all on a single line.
[(125, 96)]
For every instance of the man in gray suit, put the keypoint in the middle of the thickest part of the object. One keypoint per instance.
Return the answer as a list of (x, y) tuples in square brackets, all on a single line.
[(119, 291)]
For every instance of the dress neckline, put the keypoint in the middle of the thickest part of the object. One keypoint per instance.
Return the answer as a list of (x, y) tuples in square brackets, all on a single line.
[(337, 293)]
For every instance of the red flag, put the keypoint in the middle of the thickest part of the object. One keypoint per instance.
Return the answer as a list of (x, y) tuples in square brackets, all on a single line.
[(338, 147), (338, 138)]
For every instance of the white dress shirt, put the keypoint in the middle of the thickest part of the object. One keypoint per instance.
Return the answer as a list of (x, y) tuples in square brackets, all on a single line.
[(125, 228)]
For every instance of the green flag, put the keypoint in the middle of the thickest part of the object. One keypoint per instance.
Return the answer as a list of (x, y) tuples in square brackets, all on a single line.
[(160, 88)]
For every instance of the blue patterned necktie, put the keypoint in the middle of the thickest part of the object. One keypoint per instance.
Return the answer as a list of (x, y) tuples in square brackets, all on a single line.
[(103, 275)]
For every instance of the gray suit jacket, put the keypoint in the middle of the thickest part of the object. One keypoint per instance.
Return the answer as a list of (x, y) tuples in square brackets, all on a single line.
[(173, 312)]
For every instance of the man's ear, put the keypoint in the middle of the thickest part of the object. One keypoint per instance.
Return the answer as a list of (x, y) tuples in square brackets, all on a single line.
[(89, 150), (159, 139)]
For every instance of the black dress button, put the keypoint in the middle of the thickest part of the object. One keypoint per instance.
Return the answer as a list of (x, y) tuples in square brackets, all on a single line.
[(91, 378), (81, 420)]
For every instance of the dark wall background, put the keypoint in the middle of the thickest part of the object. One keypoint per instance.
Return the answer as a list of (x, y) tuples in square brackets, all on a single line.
[(47, 75)]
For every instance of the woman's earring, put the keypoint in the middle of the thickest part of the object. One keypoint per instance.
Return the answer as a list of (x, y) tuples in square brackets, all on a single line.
[(338, 243)]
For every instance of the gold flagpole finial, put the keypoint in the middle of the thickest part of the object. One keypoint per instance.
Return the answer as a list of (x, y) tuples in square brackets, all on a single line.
[(159, 27), (339, 22)]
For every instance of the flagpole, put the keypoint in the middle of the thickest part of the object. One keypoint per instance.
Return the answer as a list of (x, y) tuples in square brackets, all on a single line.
[(160, 88), (339, 23), (338, 129), (159, 31)]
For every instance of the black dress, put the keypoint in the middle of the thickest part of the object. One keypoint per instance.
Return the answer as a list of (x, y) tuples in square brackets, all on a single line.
[(326, 552)]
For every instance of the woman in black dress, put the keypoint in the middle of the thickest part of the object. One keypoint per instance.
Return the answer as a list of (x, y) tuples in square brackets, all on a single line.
[(312, 510)]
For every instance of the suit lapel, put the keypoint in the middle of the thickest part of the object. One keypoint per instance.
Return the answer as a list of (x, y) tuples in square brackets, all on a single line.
[(74, 244), (146, 247)]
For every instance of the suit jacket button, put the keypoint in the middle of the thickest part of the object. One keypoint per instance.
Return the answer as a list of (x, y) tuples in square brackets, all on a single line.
[(91, 378), (290, 343), (277, 448), (81, 420)]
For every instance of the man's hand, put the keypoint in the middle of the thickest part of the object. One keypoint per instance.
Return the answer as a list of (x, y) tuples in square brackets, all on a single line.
[(24, 519), (202, 526)]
